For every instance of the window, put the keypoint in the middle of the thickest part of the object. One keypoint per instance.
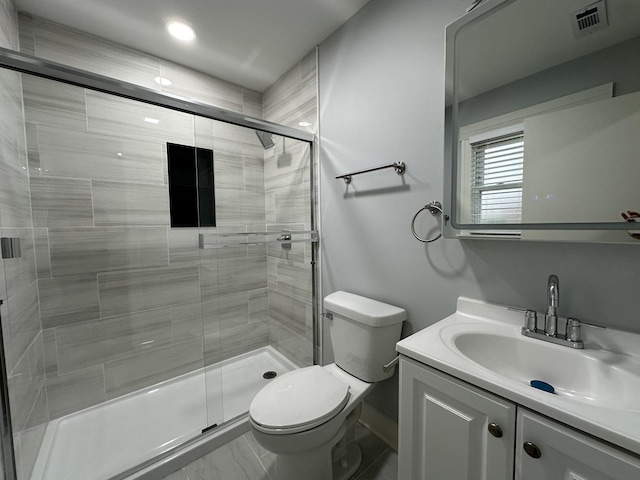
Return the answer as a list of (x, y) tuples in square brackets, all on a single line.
[(496, 179), (191, 187)]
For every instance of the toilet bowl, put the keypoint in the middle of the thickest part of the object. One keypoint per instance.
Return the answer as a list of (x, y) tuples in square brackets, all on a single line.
[(307, 417)]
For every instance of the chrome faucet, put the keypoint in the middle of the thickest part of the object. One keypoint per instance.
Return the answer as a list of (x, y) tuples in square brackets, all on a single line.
[(550, 334), (553, 301)]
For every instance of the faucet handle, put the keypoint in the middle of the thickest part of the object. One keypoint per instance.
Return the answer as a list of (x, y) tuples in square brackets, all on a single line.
[(530, 318), (573, 329)]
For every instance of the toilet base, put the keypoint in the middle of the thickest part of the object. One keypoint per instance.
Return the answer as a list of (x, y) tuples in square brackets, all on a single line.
[(349, 464)]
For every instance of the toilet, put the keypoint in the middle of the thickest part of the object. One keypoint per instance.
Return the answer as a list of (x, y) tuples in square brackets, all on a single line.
[(307, 417)]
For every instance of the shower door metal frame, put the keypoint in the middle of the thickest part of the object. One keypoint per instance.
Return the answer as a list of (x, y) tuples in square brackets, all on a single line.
[(6, 429), (20, 62)]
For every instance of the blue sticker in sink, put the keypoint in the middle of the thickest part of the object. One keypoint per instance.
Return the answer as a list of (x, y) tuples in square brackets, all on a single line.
[(539, 384)]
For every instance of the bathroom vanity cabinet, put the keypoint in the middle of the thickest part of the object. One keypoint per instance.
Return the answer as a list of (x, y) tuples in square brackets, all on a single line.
[(450, 429)]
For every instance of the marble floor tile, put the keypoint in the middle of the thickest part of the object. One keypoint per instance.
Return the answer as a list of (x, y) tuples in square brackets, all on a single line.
[(234, 461), (244, 459)]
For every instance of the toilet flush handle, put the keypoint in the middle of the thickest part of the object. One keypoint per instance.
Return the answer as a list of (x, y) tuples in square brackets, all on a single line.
[(389, 366)]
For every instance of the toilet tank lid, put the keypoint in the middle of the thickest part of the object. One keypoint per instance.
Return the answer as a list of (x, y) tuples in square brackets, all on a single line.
[(364, 310)]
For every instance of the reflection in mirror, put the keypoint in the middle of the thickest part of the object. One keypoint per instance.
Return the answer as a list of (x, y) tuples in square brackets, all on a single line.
[(543, 116)]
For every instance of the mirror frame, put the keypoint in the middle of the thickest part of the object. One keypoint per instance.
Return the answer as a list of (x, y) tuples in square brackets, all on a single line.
[(452, 227)]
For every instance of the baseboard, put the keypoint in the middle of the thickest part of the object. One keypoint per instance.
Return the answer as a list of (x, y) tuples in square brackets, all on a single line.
[(380, 425)]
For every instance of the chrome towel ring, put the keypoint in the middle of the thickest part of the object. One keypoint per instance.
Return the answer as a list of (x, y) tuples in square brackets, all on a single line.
[(435, 208)]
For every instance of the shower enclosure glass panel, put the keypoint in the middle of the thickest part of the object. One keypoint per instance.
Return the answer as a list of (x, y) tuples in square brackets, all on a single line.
[(126, 336)]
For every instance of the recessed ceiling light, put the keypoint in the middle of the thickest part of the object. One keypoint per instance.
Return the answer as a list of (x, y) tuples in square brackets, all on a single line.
[(304, 124), (151, 120), (165, 82), (181, 30)]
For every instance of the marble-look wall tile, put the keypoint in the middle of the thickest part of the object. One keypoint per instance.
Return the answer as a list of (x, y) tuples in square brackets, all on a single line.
[(252, 103), (258, 305), (33, 147), (15, 208), (68, 300), (293, 204), (293, 98), (235, 341), (22, 324), (80, 50), (54, 103), (203, 128), (71, 154), (117, 203), (254, 174), (75, 391), (20, 273), (30, 443), (235, 207), (89, 250), (129, 119), (228, 171), (294, 279), (41, 245), (183, 246), (236, 140), (26, 34), (286, 164), (25, 383), (187, 321), (296, 347), (31, 437), (61, 202), (242, 274), (137, 290), (146, 368), (288, 311), (50, 348), (201, 88), (233, 310), (8, 25), (99, 341)]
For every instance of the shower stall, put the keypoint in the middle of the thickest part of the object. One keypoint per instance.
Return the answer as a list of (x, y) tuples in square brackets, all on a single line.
[(158, 268)]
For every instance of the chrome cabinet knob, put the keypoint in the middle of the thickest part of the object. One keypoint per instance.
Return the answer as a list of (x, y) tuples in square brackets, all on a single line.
[(495, 430), (532, 450)]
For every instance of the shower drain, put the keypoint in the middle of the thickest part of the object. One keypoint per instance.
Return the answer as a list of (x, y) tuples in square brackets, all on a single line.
[(269, 375)]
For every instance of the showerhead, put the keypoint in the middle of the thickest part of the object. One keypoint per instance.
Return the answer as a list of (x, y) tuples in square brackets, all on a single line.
[(265, 139)]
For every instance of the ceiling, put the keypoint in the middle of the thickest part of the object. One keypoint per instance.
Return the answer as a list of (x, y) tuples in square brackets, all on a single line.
[(247, 42)]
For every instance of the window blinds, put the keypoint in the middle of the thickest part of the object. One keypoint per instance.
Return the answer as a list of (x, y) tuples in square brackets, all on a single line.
[(496, 179)]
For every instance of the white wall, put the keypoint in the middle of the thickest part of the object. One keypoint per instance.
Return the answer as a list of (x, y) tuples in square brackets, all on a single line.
[(381, 87)]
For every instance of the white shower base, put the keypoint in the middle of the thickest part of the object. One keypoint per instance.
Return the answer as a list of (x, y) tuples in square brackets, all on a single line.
[(102, 441)]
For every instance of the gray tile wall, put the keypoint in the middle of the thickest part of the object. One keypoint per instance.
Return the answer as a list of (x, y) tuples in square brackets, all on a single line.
[(18, 283), (127, 301), (292, 100)]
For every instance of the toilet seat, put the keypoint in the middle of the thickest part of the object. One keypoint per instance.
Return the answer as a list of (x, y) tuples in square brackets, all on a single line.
[(299, 400)]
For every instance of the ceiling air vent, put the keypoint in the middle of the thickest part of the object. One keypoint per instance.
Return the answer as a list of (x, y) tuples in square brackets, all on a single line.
[(589, 19)]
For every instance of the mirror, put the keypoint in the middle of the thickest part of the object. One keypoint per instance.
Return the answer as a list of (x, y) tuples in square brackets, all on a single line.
[(543, 119)]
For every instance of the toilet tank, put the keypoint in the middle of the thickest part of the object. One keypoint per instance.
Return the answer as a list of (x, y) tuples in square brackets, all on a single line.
[(363, 333)]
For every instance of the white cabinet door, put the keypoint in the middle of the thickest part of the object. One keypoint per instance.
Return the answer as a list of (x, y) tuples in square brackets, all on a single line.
[(566, 454), (444, 428)]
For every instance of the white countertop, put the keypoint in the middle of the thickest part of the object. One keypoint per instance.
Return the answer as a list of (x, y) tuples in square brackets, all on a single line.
[(600, 416)]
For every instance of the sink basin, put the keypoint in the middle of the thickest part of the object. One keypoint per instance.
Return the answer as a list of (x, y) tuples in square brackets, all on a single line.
[(602, 378)]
